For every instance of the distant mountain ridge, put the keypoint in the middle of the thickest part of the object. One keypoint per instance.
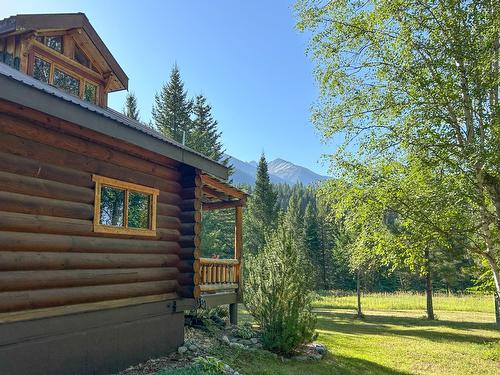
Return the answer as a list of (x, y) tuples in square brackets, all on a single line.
[(280, 172)]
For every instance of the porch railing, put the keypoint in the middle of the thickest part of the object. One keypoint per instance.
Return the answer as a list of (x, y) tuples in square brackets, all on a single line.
[(219, 274)]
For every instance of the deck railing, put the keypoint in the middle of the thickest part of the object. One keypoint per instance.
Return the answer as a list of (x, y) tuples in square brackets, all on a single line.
[(219, 274)]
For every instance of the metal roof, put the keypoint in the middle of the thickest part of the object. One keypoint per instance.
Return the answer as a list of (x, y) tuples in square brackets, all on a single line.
[(22, 89), (29, 22)]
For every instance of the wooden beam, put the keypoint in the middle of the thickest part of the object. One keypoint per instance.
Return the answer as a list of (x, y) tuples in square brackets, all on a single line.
[(223, 205), (207, 190), (238, 248), (221, 186), (217, 287)]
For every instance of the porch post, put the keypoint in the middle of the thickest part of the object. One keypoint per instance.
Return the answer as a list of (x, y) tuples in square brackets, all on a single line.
[(238, 247)]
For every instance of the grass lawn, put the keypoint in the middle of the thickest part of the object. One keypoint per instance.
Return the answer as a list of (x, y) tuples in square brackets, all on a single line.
[(392, 339)]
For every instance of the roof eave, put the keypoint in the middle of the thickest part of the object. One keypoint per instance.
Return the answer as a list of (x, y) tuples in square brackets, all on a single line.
[(31, 97)]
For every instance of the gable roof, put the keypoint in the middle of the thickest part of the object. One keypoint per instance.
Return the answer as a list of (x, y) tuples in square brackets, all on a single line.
[(27, 91), (22, 23)]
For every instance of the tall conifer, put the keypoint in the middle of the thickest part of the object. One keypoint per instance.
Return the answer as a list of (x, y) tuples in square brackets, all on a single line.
[(131, 109), (172, 109), (262, 212)]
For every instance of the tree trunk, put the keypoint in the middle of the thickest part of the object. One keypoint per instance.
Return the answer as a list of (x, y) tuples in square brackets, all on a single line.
[(358, 288), (428, 285), (496, 278)]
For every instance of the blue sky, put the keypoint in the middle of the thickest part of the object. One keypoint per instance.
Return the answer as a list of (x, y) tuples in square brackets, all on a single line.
[(245, 56)]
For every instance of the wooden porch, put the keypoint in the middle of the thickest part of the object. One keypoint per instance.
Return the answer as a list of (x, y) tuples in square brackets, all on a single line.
[(219, 281)]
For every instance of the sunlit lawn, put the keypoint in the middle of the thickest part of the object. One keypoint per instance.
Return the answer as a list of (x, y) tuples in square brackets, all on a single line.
[(393, 339)]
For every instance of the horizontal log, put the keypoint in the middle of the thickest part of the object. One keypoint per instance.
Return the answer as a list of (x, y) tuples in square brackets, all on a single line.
[(169, 198), (25, 261), (28, 280), (190, 216), (12, 241), (217, 287), (25, 300), (168, 222), (168, 209), (27, 130), (189, 253), (34, 168), (186, 265), (186, 278), (12, 221), (52, 155), (189, 228), (223, 205), (214, 261), (13, 202), (44, 188), (189, 241), (190, 205), (41, 119), (191, 193), (190, 179), (186, 291)]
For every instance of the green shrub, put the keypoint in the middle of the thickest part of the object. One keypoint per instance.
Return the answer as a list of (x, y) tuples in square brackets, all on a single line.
[(278, 292), (245, 331), (210, 365)]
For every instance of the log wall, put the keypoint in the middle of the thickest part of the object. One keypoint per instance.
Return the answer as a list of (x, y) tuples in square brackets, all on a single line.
[(49, 254)]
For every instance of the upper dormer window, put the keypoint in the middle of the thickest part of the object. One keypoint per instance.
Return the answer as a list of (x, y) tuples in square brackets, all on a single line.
[(81, 57), (55, 42)]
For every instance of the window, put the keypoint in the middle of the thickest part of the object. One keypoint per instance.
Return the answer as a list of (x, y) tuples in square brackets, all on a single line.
[(51, 72), (66, 82), (41, 70), (124, 208), (54, 42), (81, 58), (90, 93)]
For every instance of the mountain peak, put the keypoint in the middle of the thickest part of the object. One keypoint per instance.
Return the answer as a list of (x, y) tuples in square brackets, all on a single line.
[(280, 172)]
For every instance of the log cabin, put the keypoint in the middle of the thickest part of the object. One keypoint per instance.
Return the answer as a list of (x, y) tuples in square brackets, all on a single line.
[(99, 214)]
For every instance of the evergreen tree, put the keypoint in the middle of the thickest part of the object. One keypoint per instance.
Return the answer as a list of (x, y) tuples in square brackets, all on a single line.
[(262, 211), (172, 109), (131, 109), (315, 251), (205, 136)]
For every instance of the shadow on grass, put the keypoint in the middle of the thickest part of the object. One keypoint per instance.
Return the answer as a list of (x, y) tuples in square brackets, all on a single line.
[(256, 363), (346, 323)]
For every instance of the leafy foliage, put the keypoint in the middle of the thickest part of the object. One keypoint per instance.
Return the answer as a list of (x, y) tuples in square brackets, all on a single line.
[(414, 87)]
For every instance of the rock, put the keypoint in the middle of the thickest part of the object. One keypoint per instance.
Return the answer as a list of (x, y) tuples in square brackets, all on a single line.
[(254, 340), (225, 340), (320, 349), (245, 342), (193, 348), (182, 349), (258, 345), (236, 345), (234, 339), (316, 357), (300, 358)]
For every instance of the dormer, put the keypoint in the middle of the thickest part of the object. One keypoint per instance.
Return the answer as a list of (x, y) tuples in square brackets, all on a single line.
[(62, 50)]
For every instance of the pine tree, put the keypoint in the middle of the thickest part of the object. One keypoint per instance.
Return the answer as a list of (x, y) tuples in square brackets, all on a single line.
[(205, 136), (315, 251), (131, 109), (172, 109), (262, 211)]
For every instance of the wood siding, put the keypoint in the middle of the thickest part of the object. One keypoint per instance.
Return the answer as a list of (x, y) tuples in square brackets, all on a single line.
[(49, 254)]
